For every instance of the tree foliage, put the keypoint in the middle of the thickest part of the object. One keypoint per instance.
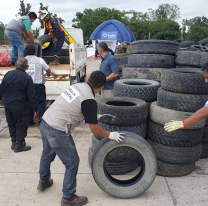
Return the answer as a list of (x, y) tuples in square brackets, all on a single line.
[(90, 19), (167, 11), (165, 29), (2, 37), (45, 7), (197, 21), (24, 9)]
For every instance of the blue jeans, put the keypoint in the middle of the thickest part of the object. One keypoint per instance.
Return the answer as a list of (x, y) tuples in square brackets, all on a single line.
[(59, 143), (16, 42)]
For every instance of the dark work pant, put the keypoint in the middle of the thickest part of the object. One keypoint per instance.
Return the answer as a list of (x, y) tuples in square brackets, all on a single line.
[(18, 124), (57, 48), (41, 96)]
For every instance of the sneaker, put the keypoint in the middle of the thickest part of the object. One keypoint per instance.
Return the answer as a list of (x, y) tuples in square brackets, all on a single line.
[(79, 201), (42, 186)]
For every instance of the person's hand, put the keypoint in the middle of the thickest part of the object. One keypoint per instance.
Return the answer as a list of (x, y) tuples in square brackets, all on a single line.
[(48, 74), (36, 41), (174, 125), (106, 117), (1, 103), (116, 136), (55, 40), (35, 115)]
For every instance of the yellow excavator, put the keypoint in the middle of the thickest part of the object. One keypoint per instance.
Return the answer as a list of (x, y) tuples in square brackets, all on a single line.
[(68, 38)]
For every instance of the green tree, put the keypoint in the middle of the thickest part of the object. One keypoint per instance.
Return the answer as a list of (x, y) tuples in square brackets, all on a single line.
[(45, 7), (2, 37), (167, 11), (24, 9), (197, 21), (165, 29), (197, 33), (90, 19)]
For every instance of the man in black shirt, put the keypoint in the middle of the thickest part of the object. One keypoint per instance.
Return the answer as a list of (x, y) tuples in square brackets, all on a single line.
[(16, 94)]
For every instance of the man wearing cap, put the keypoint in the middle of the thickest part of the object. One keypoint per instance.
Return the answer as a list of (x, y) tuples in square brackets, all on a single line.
[(15, 29), (75, 104), (53, 27)]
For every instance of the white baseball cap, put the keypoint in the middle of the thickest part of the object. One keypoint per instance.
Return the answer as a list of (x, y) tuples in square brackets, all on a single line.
[(43, 14)]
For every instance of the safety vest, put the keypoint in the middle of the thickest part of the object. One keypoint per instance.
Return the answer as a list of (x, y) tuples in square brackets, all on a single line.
[(50, 28), (66, 112)]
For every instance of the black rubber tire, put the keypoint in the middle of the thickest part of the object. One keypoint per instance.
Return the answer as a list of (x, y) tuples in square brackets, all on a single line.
[(161, 116), (192, 58), (64, 52), (204, 153), (142, 73), (62, 60), (38, 49), (187, 81), (174, 170), (181, 102), (154, 47), (186, 43), (151, 60), (202, 42), (90, 155), (205, 134), (188, 67), (137, 88), (127, 111), (47, 51), (178, 138), (132, 187), (121, 55), (122, 60), (176, 155), (141, 129), (95, 142), (196, 48), (184, 49)]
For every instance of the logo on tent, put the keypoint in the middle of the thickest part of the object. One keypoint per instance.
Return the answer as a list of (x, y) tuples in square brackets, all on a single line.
[(105, 34), (109, 35)]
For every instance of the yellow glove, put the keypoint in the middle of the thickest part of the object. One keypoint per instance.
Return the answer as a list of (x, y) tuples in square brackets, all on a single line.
[(37, 41), (174, 125)]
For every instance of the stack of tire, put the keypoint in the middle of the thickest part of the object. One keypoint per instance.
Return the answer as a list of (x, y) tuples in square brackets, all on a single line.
[(122, 53), (192, 59), (185, 45), (47, 52), (149, 58), (182, 92), (131, 116)]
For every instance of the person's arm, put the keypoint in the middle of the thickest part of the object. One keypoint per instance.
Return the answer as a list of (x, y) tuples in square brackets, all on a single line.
[(112, 76), (29, 33), (27, 24), (45, 66), (114, 68), (25, 37), (55, 25), (96, 129), (46, 31)]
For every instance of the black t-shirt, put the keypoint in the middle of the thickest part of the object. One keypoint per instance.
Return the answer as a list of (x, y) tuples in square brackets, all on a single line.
[(89, 110)]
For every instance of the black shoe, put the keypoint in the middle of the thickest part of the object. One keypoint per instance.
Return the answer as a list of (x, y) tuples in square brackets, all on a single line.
[(13, 145), (21, 147), (12, 63)]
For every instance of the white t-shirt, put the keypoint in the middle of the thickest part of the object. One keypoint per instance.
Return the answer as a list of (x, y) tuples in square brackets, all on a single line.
[(36, 67)]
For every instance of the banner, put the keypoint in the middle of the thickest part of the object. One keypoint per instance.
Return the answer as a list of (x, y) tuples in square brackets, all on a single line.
[(109, 35)]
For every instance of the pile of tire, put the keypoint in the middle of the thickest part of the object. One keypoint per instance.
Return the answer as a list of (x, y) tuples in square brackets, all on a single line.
[(182, 92), (149, 58), (130, 116), (185, 45), (47, 52), (192, 59), (201, 46)]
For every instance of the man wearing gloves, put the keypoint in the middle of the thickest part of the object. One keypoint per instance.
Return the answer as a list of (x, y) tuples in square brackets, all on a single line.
[(53, 27), (196, 117), (74, 105), (15, 29)]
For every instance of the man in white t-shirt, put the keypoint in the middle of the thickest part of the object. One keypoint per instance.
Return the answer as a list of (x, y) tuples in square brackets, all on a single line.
[(36, 67)]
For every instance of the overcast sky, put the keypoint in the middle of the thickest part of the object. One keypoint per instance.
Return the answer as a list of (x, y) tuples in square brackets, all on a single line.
[(67, 9)]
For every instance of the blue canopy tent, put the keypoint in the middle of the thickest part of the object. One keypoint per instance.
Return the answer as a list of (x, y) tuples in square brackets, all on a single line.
[(113, 30)]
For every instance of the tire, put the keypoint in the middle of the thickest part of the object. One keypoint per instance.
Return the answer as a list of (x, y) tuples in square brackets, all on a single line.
[(90, 155), (205, 134), (181, 102), (202, 42), (141, 129), (132, 187), (154, 47), (204, 153), (142, 73), (121, 55), (122, 60), (127, 111), (151, 61), (161, 116), (64, 52), (62, 60), (178, 138), (137, 88), (188, 67), (38, 49), (174, 170), (49, 49), (186, 43), (187, 81), (184, 49), (192, 58), (197, 48), (176, 155)]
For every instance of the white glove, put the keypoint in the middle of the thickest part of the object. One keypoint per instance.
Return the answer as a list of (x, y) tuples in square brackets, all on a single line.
[(106, 117), (116, 136), (174, 125), (37, 41)]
